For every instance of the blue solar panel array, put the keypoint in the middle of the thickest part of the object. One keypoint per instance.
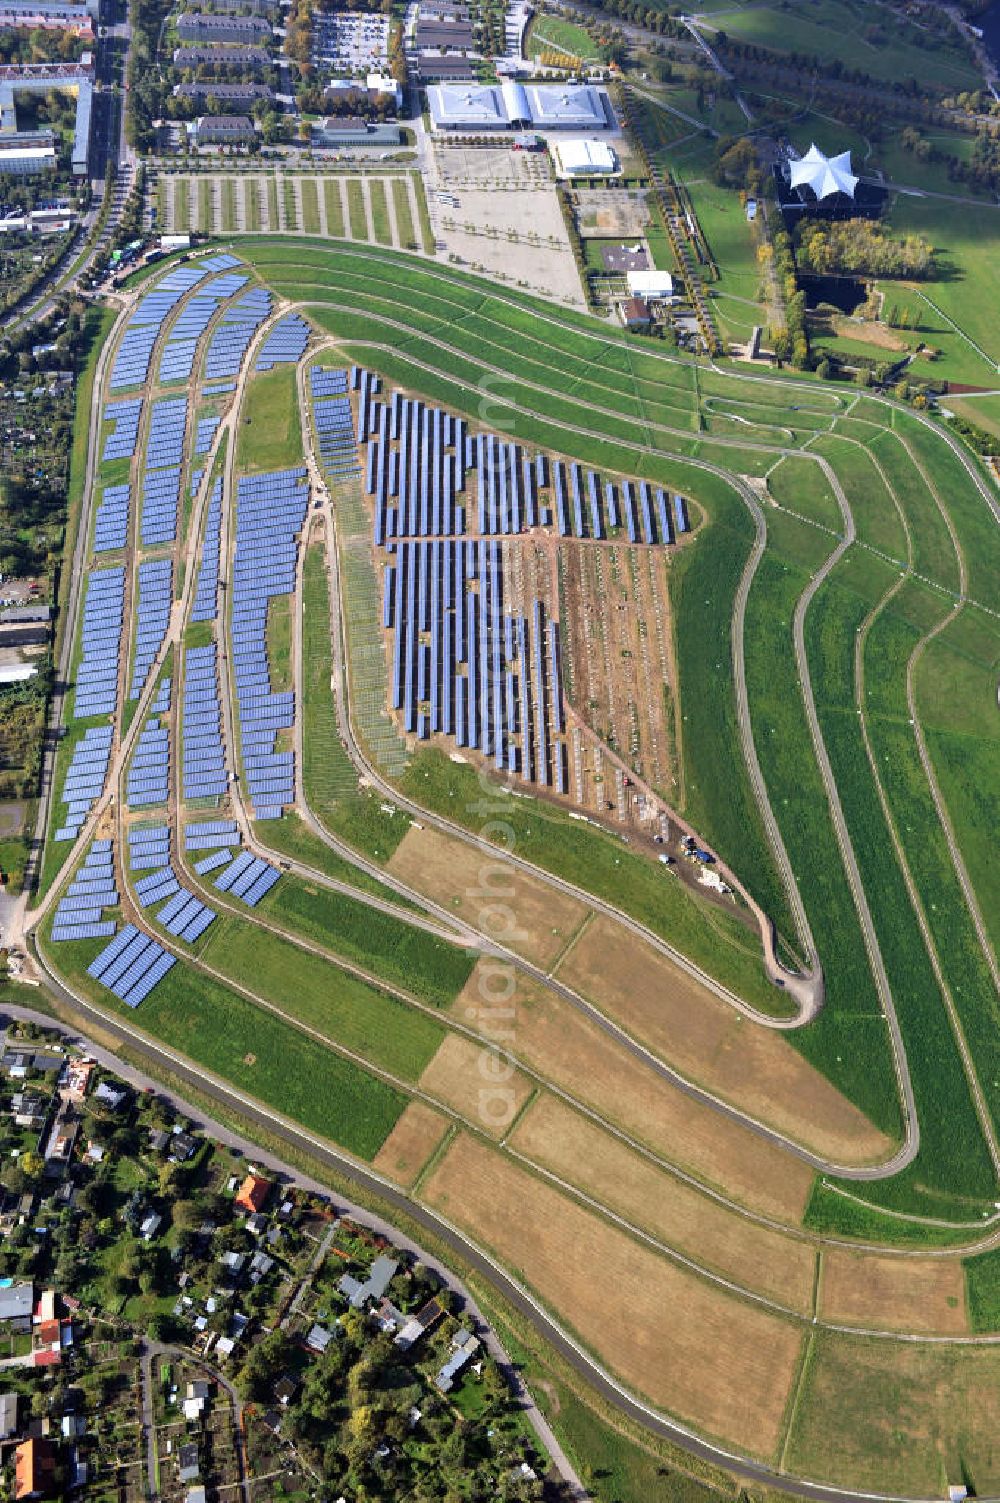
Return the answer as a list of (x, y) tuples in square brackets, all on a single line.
[(111, 518), (161, 704), (206, 595), (334, 422), (179, 351), (210, 833), (204, 433), (270, 511), (156, 595), (285, 344), (149, 770), (97, 675), (120, 442), (183, 915), (78, 912), (167, 424), (203, 761), (131, 965), (248, 878), (234, 332), (160, 496), (85, 777), (131, 367)]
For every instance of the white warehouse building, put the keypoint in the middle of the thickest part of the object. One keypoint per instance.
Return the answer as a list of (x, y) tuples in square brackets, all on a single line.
[(651, 284), (511, 105), (576, 158)]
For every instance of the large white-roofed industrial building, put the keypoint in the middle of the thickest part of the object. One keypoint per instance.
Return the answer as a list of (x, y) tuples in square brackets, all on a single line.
[(574, 157), (510, 105)]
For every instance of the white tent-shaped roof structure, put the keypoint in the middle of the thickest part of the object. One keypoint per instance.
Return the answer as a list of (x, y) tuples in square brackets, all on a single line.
[(824, 175)]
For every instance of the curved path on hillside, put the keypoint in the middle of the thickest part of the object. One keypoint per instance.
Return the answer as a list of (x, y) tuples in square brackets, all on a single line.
[(806, 989), (482, 942), (457, 1240), (867, 1171)]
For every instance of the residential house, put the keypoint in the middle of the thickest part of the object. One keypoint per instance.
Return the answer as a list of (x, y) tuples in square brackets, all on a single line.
[(188, 1462), (380, 1276), (8, 1415), (464, 1344), (17, 1305), (34, 1470), (30, 1110), (418, 1325), (253, 1194)]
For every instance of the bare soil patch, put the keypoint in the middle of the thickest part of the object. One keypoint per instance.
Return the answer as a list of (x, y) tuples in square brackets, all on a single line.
[(896, 1294), (587, 1156), (411, 1143), (484, 889), (687, 1025), (717, 1362), (868, 332)]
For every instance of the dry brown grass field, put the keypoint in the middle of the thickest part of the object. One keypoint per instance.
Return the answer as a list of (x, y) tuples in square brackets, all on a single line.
[(574, 1053), (459, 1074), (455, 875), (714, 1360), (411, 1143), (893, 1294), (708, 1041), (585, 1155)]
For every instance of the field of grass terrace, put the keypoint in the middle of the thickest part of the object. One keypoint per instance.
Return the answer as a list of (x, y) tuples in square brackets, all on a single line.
[(343, 1017), (633, 415)]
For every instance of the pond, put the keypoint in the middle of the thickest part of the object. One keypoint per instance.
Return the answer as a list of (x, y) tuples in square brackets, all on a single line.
[(844, 293)]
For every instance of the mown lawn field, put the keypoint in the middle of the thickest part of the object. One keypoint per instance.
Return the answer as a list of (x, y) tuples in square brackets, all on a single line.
[(859, 34), (315, 991), (411, 958), (848, 1040), (952, 1173), (258, 1053), (269, 435)]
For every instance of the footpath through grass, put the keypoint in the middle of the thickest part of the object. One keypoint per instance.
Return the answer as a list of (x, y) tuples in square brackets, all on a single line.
[(848, 1041), (606, 867), (397, 952)]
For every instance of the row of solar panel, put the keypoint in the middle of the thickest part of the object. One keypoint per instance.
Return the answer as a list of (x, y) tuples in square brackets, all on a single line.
[(111, 518), (93, 889), (152, 618), (97, 675), (270, 512), (84, 779), (203, 765), (206, 593), (121, 441), (285, 344), (453, 591), (248, 878), (131, 965)]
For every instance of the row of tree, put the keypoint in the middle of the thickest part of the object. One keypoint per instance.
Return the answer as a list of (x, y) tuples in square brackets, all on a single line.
[(861, 247)]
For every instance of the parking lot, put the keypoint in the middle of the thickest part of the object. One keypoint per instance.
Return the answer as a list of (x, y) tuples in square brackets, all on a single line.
[(496, 209), (347, 43)]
